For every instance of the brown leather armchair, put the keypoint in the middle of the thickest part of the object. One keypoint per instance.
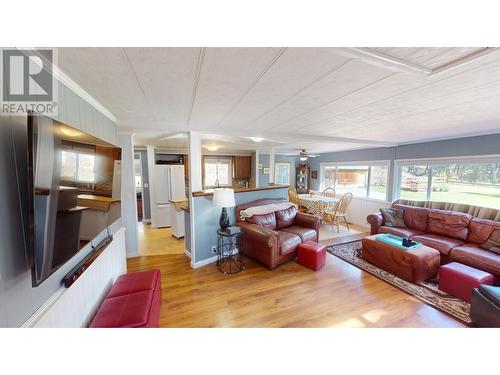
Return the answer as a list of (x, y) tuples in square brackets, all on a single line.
[(273, 238)]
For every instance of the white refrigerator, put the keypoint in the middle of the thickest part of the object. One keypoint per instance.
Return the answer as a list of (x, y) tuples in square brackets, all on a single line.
[(169, 184)]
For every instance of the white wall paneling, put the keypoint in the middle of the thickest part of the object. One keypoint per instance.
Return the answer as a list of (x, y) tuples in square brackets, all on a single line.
[(360, 208), (75, 306)]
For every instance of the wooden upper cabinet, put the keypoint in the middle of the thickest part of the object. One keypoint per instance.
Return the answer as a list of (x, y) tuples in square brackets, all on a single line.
[(242, 166)]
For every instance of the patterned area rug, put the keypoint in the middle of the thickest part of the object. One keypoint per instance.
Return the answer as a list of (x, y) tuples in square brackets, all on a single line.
[(427, 292)]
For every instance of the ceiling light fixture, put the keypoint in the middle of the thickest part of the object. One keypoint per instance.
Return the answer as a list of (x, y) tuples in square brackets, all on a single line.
[(212, 147), (256, 139), (70, 132), (303, 158)]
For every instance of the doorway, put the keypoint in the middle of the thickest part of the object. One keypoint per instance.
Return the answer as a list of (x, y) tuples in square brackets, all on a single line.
[(139, 185)]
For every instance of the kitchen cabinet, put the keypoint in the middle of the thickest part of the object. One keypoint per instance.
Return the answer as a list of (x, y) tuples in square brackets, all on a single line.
[(242, 166)]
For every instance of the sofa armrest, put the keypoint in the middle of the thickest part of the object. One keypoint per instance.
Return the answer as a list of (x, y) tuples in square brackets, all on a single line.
[(263, 236), (307, 221), (375, 221)]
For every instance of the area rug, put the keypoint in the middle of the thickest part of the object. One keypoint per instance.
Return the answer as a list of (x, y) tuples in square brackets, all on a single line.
[(427, 292)]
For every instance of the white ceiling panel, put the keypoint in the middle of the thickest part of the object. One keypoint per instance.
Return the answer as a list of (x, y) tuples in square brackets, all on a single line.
[(429, 57), (106, 75), (468, 86), (320, 99), (349, 78), (226, 76), (166, 76), (306, 65)]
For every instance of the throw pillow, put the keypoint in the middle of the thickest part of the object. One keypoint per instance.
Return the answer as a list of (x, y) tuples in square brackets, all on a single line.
[(493, 243), (393, 217)]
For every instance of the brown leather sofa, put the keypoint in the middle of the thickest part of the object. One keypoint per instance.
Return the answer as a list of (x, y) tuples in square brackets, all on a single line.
[(273, 238), (455, 235)]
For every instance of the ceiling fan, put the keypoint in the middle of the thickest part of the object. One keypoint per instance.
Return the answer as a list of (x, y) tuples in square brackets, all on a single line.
[(303, 155)]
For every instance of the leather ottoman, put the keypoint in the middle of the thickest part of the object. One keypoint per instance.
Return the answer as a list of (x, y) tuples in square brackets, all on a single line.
[(485, 306), (459, 280), (414, 265), (311, 254), (134, 301), (126, 311)]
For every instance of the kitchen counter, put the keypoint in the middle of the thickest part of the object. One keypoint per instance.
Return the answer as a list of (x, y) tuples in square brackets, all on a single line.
[(179, 204), (240, 190), (96, 202)]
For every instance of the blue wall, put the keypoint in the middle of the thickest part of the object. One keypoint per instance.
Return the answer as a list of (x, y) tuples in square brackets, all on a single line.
[(469, 146), (207, 218), (264, 160)]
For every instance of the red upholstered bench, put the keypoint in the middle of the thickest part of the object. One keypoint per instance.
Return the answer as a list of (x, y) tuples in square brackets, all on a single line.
[(134, 301), (311, 254), (459, 280)]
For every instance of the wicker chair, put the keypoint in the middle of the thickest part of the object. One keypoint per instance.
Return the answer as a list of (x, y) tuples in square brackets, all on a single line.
[(328, 192), (339, 211)]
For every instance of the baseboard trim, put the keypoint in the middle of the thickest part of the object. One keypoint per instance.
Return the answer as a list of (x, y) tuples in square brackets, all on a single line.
[(204, 262), (188, 254)]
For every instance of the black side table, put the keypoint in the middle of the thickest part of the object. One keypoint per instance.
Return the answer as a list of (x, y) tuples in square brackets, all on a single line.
[(229, 248)]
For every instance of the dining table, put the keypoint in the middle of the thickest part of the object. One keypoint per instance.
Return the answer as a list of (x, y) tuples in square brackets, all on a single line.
[(317, 204)]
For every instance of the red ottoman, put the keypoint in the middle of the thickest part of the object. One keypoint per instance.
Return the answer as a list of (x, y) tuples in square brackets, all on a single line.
[(459, 280), (311, 255), (133, 301), (126, 311)]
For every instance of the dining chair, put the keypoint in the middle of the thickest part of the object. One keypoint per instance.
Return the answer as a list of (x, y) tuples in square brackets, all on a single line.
[(294, 198), (328, 192), (339, 211)]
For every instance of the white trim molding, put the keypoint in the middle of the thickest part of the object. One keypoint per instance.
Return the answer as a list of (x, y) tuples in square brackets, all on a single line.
[(391, 62), (76, 88)]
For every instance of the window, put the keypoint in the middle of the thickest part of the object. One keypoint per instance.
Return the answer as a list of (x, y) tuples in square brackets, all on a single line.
[(455, 181), (77, 166), (366, 180), (218, 171), (138, 182), (352, 179), (282, 173), (414, 182), (378, 182)]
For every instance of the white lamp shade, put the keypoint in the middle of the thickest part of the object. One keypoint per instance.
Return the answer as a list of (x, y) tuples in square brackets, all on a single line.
[(223, 197)]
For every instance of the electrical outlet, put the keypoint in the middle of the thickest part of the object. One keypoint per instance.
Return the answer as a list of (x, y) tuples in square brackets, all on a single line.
[(214, 249)]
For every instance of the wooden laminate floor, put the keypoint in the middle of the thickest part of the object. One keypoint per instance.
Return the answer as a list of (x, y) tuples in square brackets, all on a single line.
[(339, 295), (158, 241)]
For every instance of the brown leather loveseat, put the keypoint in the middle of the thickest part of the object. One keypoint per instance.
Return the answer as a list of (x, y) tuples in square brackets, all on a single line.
[(272, 239), (455, 235)]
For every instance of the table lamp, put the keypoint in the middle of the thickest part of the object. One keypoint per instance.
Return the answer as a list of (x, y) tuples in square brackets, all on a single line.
[(223, 198)]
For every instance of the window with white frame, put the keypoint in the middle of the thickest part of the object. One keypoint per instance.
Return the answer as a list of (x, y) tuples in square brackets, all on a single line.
[(78, 166), (366, 179), (469, 181), (282, 173), (218, 171)]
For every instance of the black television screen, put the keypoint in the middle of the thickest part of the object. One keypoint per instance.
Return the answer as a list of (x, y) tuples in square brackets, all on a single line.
[(74, 189)]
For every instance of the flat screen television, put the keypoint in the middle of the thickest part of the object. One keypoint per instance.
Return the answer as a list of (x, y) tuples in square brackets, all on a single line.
[(74, 192)]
